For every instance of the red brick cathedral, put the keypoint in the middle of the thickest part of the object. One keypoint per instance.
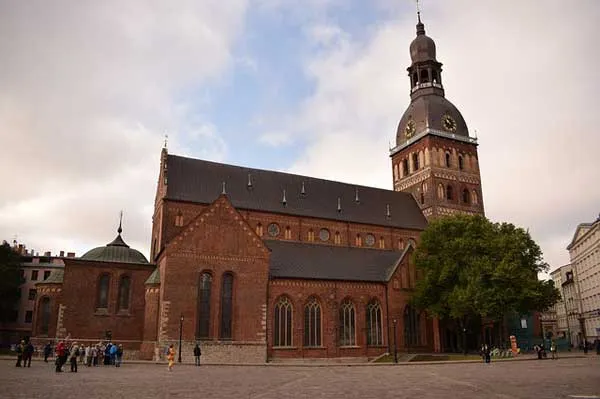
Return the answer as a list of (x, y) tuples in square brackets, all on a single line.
[(258, 265)]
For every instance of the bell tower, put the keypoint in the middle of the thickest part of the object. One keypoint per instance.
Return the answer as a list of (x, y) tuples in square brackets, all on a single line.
[(435, 158)]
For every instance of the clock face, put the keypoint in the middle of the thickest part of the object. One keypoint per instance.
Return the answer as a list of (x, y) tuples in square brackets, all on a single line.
[(410, 128), (324, 235), (370, 240), (449, 123), (273, 229)]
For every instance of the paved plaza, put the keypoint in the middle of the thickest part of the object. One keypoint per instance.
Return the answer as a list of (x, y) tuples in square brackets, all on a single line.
[(564, 378)]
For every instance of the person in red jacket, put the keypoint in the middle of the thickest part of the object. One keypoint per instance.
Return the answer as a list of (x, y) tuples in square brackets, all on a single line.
[(61, 351)]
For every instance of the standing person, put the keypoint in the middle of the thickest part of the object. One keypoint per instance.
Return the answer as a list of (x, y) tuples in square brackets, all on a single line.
[(60, 353), (28, 354), (73, 356), (197, 353), (553, 350), (119, 355), (113, 354), (47, 351), (19, 349), (82, 354), (171, 357), (107, 354), (95, 355), (88, 355)]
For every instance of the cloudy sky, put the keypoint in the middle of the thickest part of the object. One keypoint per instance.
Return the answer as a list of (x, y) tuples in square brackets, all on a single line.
[(88, 90)]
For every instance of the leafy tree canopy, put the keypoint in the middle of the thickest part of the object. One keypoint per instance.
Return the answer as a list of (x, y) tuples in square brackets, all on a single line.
[(10, 280), (472, 267)]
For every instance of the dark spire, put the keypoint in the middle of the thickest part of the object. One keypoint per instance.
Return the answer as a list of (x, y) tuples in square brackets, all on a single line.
[(120, 229), (420, 25)]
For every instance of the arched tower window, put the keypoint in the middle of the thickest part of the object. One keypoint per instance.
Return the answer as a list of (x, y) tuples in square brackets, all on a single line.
[(204, 291), (461, 164), (102, 291), (475, 197), (415, 79), (441, 193), (124, 293), (424, 76), (415, 159), (404, 167), (434, 76), (412, 324), (449, 192), (282, 319), (465, 196), (448, 160), (347, 324), (374, 324), (226, 306), (44, 315), (312, 323)]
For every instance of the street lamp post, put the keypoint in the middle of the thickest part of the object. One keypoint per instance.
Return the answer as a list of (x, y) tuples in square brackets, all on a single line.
[(395, 348), (180, 331)]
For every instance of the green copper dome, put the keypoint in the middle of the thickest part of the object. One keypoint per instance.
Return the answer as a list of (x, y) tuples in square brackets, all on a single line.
[(116, 251)]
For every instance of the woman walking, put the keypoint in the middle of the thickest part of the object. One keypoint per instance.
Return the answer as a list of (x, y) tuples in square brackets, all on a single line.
[(171, 357)]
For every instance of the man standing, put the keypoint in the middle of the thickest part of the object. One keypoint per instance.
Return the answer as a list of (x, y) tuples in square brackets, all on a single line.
[(28, 354), (73, 356), (60, 353), (19, 349), (47, 351), (197, 353)]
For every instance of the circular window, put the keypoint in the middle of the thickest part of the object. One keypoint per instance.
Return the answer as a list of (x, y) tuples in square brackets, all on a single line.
[(370, 239), (273, 229), (324, 234)]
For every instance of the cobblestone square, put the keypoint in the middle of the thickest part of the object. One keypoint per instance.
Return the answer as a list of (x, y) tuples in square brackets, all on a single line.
[(564, 378)]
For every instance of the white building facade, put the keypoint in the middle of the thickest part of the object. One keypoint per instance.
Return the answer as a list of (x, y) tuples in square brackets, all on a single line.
[(584, 251)]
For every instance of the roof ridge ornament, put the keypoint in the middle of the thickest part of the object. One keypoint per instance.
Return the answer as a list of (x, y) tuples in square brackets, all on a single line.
[(388, 214), (303, 189), (356, 199), (339, 205), (223, 191), (284, 200), (249, 185)]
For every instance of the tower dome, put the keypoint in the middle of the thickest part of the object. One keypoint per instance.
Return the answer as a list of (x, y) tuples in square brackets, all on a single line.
[(422, 47), (115, 251)]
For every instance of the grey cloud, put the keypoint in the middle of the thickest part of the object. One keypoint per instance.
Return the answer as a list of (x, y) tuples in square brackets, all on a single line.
[(88, 90)]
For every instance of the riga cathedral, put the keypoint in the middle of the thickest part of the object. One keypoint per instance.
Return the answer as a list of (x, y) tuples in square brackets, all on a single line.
[(258, 266)]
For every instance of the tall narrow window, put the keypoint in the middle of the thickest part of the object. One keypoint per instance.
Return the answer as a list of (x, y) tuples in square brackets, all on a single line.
[(381, 243), (102, 295), (312, 323), (441, 193), (282, 319), (449, 192), (124, 289), (259, 230), (337, 238), (226, 306), (415, 159), (288, 233), (448, 160), (44, 315), (412, 330), (466, 197), (461, 164), (204, 289), (475, 200), (347, 324), (311, 235), (374, 324), (358, 240), (405, 167)]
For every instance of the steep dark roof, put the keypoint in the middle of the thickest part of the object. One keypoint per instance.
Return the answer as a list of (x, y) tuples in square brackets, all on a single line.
[(324, 262), (154, 277), (202, 181)]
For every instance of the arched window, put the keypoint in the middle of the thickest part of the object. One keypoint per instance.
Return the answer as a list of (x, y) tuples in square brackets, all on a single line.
[(381, 243), (415, 159), (226, 305), (282, 319), (374, 324), (204, 288), (396, 171), (475, 197), (448, 159), (311, 235), (424, 76), (466, 197), (337, 239), (441, 193), (412, 326), (44, 315), (312, 323), (347, 324), (461, 164), (449, 192), (404, 167), (288, 233), (422, 198), (434, 76), (179, 219), (415, 79), (102, 293), (358, 240), (124, 292)]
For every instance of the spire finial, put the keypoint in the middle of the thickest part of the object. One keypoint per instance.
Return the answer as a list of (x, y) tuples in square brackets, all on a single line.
[(224, 191), (420, 26), (166, 140), (120, 229)]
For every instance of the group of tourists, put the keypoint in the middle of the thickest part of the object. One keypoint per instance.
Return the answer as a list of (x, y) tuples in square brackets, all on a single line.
[(92, 355)]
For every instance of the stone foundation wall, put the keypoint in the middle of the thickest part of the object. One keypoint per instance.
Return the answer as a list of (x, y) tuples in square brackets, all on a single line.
[(216, 352)]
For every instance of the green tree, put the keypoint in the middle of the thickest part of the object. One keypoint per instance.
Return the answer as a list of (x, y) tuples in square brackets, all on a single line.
[(10, 280), (473, 269)]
